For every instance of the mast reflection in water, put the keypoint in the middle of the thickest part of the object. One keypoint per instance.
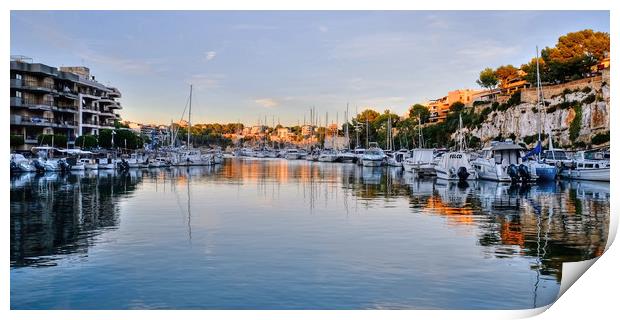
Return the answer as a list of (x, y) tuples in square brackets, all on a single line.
[(277, 234)]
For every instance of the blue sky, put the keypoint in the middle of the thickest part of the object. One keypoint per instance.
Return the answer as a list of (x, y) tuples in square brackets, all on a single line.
[(247, 65)]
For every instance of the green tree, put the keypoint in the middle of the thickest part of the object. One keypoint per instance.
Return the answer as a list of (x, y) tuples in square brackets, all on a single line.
[(16, 140), (418, 111), (487, 79), (367, 114), (54, 140), (86, 141), (506, 73), (457, 107), (576, 45)]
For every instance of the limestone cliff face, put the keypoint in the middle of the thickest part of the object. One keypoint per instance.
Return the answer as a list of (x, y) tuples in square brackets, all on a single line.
[(524, 119)]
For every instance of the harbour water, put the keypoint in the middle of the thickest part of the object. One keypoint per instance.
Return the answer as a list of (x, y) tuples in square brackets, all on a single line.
[(277, 234)]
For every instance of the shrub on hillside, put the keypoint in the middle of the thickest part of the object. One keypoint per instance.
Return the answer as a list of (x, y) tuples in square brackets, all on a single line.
[(600, 138)]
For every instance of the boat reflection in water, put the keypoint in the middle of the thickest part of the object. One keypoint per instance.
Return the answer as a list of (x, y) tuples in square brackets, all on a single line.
[(277, 234)]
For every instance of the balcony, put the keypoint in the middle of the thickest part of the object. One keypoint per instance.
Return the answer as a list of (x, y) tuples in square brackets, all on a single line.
[(16, 83), (32, 104), (90, 123), (66, 108), (90, 109), (32, 85), (33, 121), (42, 122)]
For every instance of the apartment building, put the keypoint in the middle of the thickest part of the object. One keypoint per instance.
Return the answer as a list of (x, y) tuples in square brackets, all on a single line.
[(439, 108), (61, 101)]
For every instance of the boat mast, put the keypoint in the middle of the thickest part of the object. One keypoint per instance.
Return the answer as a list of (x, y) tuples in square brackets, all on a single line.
[(461, 138), (346, 128), (366, 131), (419, 133), (540, 102), (189, 118), (357, 131)]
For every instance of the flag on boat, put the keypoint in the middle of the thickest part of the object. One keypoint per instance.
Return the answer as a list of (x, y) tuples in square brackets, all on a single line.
[(536, 150)]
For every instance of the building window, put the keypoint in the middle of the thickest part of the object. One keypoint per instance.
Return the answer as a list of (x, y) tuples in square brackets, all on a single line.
[(18, 76), (18, 94)]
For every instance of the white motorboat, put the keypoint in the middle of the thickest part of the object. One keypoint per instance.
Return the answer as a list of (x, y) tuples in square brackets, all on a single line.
[(501, 161), (396, 158), (359, 153), (328, 155), (374, 156), (586, 167), (421, 162), (455, 166), (347, 156), (89, 163), (105, 164), (292, 154), (19, 163)]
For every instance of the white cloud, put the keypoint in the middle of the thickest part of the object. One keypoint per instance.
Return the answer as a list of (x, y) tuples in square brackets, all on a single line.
[(210, 55), (267, 102), (323, 28)]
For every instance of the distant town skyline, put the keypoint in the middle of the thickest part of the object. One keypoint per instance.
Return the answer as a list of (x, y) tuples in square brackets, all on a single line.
[(246, 66)]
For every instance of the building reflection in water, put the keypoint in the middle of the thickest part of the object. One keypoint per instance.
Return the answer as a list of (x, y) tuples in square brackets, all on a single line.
[(549, 224), (55, 214)]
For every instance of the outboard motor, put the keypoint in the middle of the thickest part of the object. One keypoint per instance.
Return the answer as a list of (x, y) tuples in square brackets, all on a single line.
[(462, 173), (38, 165), (513, 172), (64, 166), (14, 167), (123, 165), (524, 172)]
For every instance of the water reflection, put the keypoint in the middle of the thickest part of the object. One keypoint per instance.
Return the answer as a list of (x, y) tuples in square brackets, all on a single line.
[(527, 231), (53, 214)]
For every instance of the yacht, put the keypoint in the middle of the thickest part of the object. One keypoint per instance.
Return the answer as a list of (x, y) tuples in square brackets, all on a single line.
[(422, 162), (501, 161), (374, 156), (105, 163), (587, 167), (396, 158), (19, 163), (292, 154), (89, 164), (455, 166), (347, 156), (328, 155), (359, 153)]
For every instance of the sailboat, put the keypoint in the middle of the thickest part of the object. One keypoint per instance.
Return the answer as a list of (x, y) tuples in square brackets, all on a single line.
[(346, 155), (190, 156), (422, 160), (394, 158), (456, 165), (543, 170)]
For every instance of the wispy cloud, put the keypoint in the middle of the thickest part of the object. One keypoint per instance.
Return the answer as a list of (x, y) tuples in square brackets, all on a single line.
[(210, 55), (267, 102), (323, 28)]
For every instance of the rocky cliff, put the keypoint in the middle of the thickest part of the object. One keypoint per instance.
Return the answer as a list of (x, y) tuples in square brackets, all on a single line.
[(574, 114)]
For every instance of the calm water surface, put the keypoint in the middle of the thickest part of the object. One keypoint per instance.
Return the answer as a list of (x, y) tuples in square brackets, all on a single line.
[(277, 234)]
